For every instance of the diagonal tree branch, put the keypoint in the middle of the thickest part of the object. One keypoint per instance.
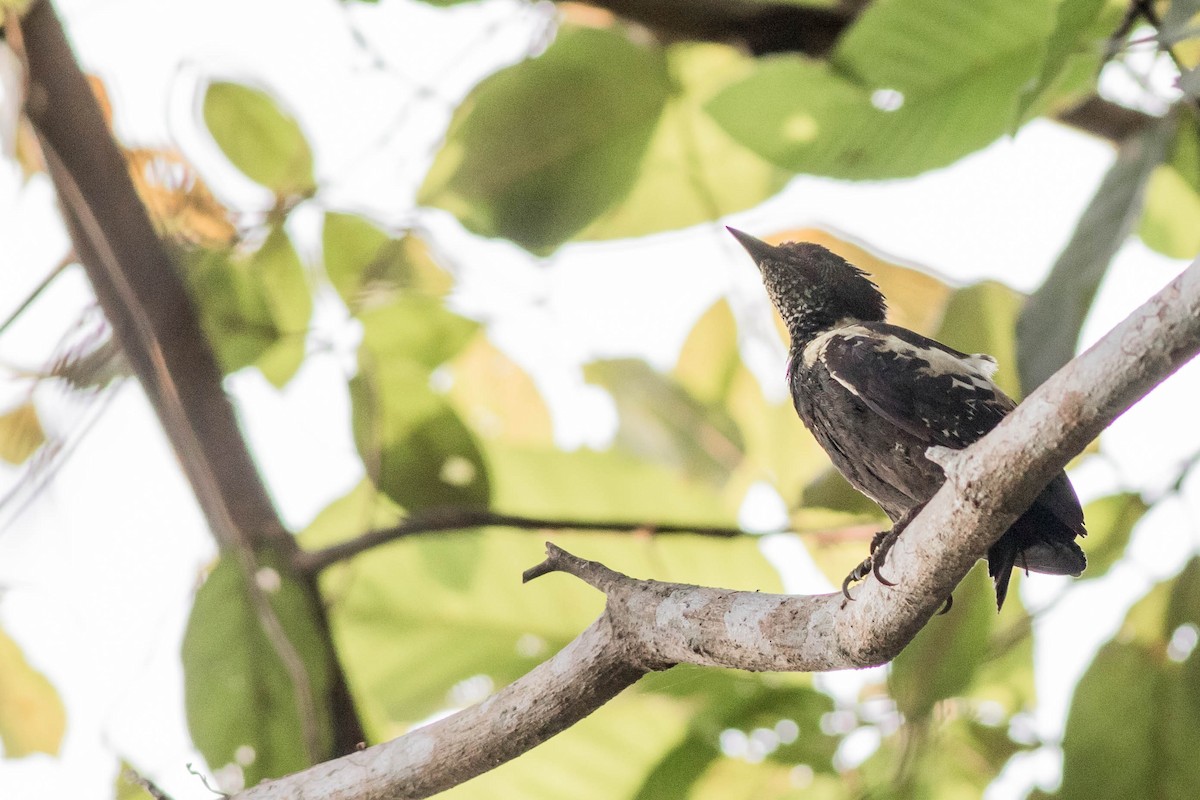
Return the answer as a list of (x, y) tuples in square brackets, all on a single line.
[(157, 327), (648, 625)]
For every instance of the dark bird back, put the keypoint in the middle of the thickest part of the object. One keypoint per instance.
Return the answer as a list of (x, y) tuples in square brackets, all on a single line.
[(878, 396)]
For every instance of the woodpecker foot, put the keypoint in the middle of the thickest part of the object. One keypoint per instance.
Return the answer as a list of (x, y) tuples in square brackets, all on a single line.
[(881, 543)]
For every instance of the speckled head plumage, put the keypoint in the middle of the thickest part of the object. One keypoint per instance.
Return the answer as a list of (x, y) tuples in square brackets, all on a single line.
[(813, 288)]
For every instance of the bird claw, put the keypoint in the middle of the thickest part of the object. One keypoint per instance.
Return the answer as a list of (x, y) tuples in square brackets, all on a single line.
[(856, 574), (881, 544), (949, 604)]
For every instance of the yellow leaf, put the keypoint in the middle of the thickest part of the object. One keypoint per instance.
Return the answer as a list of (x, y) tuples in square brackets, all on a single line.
[(21, 433), (497, 398), (180, 203), (1171, 216), (710, 356), (32, 717)]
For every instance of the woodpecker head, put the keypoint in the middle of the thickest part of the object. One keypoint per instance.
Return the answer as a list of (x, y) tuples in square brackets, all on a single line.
[(812, 288)]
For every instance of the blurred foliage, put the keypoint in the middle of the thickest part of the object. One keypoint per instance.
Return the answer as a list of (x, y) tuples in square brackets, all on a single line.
[(606, 132), (32, 717), (128, 786), (886, 105), (259, 138), (1147, 679), (21, 433), (1048, 333), (244, 706)]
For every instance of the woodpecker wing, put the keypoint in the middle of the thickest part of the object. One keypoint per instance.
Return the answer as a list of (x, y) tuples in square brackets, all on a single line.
[(947, 398), (934, 392)]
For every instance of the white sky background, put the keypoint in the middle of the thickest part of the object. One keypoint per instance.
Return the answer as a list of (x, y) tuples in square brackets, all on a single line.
[(96, 577)]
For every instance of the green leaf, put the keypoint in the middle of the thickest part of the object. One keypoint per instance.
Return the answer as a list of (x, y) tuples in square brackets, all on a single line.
[(32, 716), (254, 308), (692, 170), (242, 705), (1110, 521), (1171, 216), (589, 484), (913, 85), (21, 433), (1048, 329), (367, 265), (943, 659), (739, 779), (779, 449), (710, 356), (660, 421), (748, 703), (286, 293), (983, 319), (415, 447), (233, 310), (1152, 753), (679, 770), (539, 150), (407, 637), (497, 398), (1137, 680), (605, 756), (261, 139), (128, 787), (951, 758), (284, 284), (414, 328), (361, 509), (1072, 35), (1183, 606), (280, 362), (1006, 668), (449, 556)]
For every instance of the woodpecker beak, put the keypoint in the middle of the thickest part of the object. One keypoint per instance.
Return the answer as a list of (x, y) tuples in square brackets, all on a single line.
[(758, 249)]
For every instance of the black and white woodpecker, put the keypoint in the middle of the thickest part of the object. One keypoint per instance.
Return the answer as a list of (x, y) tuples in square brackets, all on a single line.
[(877, 397)]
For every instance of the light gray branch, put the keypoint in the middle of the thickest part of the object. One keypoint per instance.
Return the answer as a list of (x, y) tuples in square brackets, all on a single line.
[(651, 625)]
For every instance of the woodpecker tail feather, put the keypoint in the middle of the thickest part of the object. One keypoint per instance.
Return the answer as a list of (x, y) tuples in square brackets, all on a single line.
[(1039, 541)]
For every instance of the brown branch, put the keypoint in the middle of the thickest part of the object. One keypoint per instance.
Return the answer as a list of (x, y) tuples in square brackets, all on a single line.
[(650, 625), (155, 322), (764, 28), (454, 518)]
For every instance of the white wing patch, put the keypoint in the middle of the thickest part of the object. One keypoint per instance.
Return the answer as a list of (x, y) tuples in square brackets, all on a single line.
[(934, 393), (978, 368), (815, 349)]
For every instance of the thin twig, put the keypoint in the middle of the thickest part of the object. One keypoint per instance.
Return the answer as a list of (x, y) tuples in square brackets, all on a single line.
[(66, 261), (454, 518), (151, 788)]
